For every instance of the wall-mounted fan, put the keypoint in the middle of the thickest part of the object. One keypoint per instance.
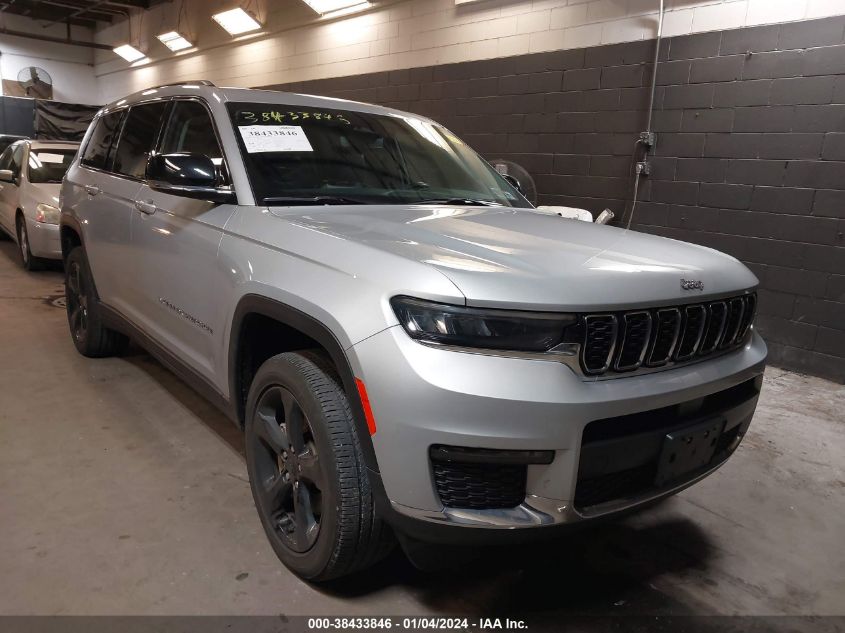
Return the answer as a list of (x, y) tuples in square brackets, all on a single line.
[(36, 82), (520, 174)]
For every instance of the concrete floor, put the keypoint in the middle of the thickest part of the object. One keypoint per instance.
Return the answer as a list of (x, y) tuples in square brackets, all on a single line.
[(123, 492)]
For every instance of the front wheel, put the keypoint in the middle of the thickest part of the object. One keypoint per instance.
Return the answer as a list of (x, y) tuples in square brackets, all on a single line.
[(307, 471), (28, 260), (90, 336)]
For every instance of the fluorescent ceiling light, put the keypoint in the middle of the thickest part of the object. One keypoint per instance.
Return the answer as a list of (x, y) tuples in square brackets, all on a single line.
[(129, 53), (174, 41), (236, 21), (330, 6)]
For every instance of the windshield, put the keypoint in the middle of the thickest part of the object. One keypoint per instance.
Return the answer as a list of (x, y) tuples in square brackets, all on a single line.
[(49, 164), (315, 155)]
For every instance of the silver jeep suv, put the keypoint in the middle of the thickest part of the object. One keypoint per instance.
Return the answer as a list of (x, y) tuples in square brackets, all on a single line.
[(412, 350)]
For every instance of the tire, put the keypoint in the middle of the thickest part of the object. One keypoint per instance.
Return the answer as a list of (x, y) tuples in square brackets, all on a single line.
[(307, 472), (90, 336), (28, 260)]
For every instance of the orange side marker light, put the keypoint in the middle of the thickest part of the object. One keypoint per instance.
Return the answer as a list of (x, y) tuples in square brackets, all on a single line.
[(365, 402)]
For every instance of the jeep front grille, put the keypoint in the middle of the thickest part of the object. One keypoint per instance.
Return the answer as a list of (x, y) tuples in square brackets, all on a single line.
[(625, 341)]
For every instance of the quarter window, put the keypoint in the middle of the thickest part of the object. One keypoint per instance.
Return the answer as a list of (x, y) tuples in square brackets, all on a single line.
[(97, 151), (17, 160), (138, 139), (6, 158)]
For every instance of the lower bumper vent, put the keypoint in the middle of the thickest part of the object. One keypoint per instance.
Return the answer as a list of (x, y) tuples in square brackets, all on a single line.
[(480, 486), (482, 479), (620, 457)]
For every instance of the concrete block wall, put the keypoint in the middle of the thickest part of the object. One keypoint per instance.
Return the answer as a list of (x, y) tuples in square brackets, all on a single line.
[(750, 155), (397, 34)]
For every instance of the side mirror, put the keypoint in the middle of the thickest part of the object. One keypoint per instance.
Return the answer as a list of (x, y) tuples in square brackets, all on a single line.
[(7, 175), (513, 182), (187, 175)]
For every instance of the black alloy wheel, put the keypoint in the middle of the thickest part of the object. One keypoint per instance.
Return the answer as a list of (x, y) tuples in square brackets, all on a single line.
[(307, 472), (76, 298), (289, 478), (90, 335)]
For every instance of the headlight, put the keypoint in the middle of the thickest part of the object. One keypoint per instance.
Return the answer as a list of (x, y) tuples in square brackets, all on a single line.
[(482, 328), (47, 214)]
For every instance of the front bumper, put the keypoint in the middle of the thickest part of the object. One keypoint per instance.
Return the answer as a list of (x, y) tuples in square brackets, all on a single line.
[(423, 397), (44, 240)]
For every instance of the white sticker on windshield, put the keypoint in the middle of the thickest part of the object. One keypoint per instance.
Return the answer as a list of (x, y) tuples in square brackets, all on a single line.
[(275, 138), (44, 157)]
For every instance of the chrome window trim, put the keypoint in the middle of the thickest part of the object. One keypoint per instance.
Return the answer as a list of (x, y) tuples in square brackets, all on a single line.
[(126, 106)]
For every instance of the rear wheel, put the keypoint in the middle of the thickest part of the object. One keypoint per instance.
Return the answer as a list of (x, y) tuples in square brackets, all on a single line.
[(90, 336), (307, 471), (28, 260)]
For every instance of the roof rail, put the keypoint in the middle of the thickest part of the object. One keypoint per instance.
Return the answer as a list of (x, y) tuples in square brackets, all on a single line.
[(201, 82)]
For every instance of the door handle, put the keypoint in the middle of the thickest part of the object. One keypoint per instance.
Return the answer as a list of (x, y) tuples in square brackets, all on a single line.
[(145, 206), (92, 190)]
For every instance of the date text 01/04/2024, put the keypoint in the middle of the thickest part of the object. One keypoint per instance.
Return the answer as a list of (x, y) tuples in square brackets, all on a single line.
[(417, 624)]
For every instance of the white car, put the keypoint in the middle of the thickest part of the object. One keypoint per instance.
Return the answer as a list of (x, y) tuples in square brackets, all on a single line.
[(31, 175)]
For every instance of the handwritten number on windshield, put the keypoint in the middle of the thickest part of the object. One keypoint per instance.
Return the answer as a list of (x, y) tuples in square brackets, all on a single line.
[(290, 117)]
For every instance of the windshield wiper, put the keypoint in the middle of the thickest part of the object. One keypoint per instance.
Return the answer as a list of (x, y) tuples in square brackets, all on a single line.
[(462, 201), (309, 200)]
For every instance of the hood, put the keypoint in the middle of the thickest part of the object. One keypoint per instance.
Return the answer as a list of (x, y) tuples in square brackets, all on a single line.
[(505, 257)]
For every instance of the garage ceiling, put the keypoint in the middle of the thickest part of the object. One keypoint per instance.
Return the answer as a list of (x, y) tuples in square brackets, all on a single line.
[(77, 12)]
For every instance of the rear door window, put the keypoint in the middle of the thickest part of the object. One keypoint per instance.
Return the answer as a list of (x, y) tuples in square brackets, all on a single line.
[(138, 138), (97, 151)]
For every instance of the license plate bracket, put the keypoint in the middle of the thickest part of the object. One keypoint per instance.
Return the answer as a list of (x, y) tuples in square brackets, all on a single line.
[(687, 450)]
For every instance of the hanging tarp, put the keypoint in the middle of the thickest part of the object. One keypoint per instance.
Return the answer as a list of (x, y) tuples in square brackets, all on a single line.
[(16, 116), (57, 121)]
